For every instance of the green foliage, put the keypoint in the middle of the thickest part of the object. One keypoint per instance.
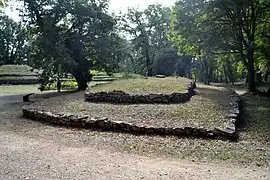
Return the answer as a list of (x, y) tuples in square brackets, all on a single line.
[(219, 34), (65, 85), (168, 62), (2, 3), (13, 46), (147, 30), (74, 34)]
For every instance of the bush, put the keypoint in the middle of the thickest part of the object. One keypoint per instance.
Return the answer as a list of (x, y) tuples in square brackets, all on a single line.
[(65, 85), (98, 73)]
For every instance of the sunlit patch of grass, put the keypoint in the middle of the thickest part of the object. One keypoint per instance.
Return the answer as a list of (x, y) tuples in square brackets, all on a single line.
[(18, 89), (150, 85), (16, 70), (208, 109)]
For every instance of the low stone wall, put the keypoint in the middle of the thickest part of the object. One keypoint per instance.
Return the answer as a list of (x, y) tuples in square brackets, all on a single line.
[(233, 117), (18, 81), (122, 97), (118, 126), (104, 124)]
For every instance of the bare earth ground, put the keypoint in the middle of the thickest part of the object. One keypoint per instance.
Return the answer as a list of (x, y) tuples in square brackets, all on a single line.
[(208, 109), (30, 150)]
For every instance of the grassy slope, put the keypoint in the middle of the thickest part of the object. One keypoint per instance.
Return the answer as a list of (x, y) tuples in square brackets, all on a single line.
[(16, 69), (18, 89), (207, 109), (150, 85)]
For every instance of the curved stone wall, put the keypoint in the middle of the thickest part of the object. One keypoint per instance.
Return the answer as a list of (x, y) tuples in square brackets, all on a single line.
[(105, 124), (125, 98)]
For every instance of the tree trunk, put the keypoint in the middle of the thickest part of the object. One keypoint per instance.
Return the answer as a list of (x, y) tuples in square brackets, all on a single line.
[(225, 74), (148, 64), (251, 70), (206, 76), (82, 82)]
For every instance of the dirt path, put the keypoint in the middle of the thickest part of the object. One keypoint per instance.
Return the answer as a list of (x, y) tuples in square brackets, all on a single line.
[(10, 99), (27, 158), (30, 150)]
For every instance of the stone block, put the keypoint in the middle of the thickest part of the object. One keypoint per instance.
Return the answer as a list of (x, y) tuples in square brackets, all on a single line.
[(178, 132)]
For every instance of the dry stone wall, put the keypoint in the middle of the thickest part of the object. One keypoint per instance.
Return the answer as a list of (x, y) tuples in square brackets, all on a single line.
[(125, 98), (230, 129), (104, 124)]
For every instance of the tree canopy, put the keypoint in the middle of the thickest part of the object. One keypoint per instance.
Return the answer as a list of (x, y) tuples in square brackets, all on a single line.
[(13, 37), (75, 35), (210, 41), (220, 33)]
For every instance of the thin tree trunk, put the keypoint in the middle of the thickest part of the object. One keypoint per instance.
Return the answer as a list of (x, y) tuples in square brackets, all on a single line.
[(148, 64), (251, 70)]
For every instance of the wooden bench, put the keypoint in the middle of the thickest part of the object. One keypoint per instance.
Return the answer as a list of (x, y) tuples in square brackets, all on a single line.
[(26, 97)]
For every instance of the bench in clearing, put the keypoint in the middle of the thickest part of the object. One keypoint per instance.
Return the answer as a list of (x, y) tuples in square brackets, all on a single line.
[(26, 97)]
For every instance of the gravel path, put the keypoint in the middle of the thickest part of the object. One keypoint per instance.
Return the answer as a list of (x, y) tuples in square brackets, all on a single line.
[(30, 158), (10, 99), (30, 150)]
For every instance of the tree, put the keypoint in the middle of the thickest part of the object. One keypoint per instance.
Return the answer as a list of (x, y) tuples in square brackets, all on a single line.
[(2, 3), (242, 19), (214, 30), (166, 61), (147, 30), (13, 45), (169, 63), (73, 34), (191, 37)]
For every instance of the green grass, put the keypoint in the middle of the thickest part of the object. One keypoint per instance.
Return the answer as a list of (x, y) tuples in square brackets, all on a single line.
[(127, 76), (16, 70), (18, 89), (150, 85), (208, 109), (18, 77), (257, 116)]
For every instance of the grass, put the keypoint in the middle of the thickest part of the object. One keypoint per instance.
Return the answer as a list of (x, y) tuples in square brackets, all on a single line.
[(257, 116), (16, 70), (208, 109), (150, 85), (201, 111), (253, 149), (18, 89), (6, 90), (18, 77), (126, 76)]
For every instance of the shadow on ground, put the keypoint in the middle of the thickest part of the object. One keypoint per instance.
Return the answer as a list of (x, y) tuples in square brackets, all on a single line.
[(257, 113)]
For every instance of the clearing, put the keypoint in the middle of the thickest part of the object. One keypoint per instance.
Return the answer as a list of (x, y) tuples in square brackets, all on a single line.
[(32, 150), (208, 109)]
